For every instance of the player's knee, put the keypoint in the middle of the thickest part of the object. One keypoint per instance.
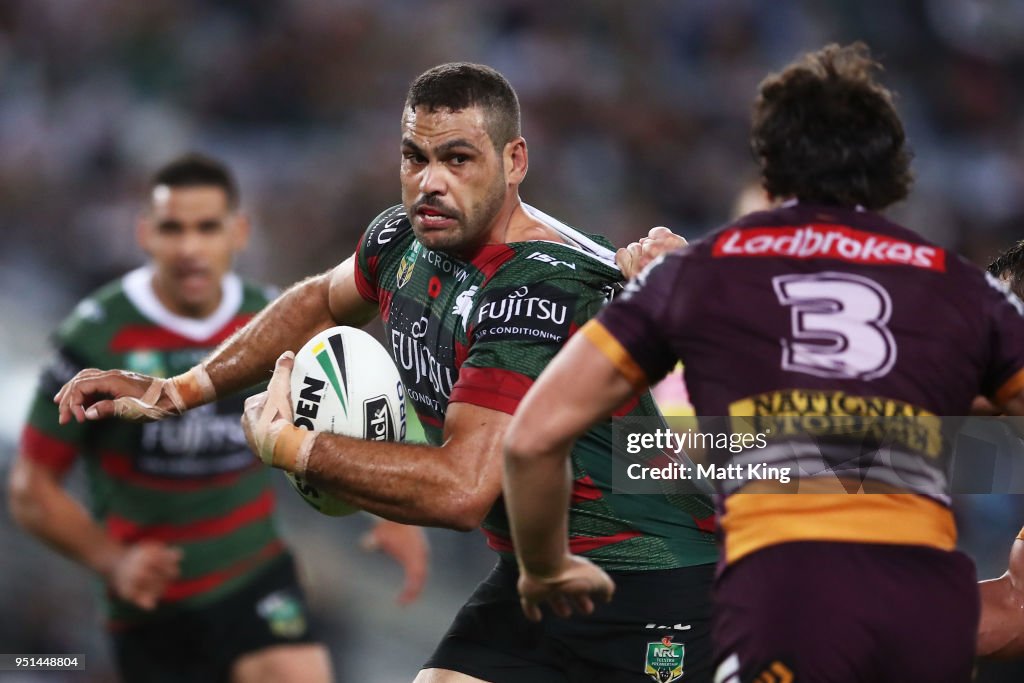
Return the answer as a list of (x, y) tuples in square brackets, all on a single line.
[(445, 676), (308, 663)]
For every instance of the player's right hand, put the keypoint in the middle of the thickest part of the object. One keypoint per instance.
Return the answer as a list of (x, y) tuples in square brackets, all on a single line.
[(141, 575), (408, 546), (574, 587), (97, 394)]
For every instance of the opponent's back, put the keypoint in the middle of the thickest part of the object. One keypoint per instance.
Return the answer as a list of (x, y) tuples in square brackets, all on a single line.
[(839, 313), (818, 303)]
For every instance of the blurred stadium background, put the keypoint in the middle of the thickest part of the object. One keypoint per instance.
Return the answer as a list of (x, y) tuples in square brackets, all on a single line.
[(636, 115)]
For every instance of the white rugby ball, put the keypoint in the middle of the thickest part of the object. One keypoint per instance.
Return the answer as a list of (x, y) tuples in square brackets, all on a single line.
[(345, 382)]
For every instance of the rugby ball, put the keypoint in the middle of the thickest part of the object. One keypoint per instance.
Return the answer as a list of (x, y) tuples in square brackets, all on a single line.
[(344, 382)]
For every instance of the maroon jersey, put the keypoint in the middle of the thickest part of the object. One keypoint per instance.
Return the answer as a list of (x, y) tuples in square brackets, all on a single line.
[(824, 311)]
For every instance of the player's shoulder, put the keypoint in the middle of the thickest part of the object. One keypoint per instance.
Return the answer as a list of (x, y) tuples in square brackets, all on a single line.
[(390, 228), (579, 258), (256, 295), (106, 308)]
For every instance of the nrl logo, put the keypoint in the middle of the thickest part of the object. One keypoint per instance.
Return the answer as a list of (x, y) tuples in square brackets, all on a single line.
[(665, 660), (408, 263)]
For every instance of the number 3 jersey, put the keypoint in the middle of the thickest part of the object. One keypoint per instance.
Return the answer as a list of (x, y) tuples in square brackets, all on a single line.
[(189, 481), (837, 314), (480, 331)]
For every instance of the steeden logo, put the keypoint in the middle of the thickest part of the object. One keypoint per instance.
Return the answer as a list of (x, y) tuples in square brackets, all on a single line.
[(323, 357)]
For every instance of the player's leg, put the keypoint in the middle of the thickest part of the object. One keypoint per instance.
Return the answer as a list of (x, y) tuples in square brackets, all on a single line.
[(844, 613), (793, 611), (262, 631), (445, 676), (166, 651), (490, 640), (308, 663), (657, 627)]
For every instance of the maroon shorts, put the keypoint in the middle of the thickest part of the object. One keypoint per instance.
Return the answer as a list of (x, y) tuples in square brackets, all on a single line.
[(818, 612)]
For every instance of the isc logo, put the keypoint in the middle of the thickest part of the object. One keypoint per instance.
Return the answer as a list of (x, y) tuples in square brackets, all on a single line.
[(538, 256)]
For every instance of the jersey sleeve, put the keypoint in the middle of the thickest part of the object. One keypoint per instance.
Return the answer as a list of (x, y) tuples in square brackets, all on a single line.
[(43, 440), (514, 331), (1004, 377), (634, 331), (381, 232)]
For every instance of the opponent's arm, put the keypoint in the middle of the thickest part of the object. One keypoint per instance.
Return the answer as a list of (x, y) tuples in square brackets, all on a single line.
[(452, 486), (1001, 630), (41, 506), (580, 387), (243, 360)]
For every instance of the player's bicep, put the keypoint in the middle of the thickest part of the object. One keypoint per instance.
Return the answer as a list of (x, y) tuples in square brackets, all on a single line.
[(348, 306)]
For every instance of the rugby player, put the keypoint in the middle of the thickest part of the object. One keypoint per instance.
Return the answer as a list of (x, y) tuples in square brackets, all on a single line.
[(477, 291), (818, 307), (1001, 633), (199, 585)]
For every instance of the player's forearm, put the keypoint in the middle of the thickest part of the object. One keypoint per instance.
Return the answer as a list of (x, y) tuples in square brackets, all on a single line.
[(248, 356), (46, 511), (538, 486), (407, 483), (1001, 630)]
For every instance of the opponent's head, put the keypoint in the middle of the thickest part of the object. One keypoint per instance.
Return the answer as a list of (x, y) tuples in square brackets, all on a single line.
[(1009, 267), (825, 132), (191, 229), (463, 156)]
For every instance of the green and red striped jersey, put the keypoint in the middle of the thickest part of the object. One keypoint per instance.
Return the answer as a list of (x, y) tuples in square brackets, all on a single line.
[(189, 481), (481, 330)]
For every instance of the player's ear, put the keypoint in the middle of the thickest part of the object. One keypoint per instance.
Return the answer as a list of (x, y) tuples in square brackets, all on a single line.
[(143, 232), (241, 229), (516, 160)]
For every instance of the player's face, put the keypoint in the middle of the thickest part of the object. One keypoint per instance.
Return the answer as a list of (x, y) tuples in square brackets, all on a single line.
[(453, 180), (191, 234)]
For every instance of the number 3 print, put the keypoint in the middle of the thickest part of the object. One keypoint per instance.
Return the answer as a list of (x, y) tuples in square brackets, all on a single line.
[(838, 325)]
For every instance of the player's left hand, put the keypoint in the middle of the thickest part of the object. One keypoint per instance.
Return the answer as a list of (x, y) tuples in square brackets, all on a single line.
[(635, 256), (408, 546), (574, 587), (267, 413)]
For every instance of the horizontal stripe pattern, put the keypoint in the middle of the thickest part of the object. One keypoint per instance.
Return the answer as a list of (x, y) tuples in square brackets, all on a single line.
[(753, 521), (577, 544), (256, 510), (150, 337), (43, 449)]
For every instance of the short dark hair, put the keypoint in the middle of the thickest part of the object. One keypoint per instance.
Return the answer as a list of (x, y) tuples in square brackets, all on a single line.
[(824, 131), (460, 85), (1010, 266), (197, 170)]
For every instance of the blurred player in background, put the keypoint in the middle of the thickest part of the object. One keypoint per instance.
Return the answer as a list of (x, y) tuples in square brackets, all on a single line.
[(820, 307), (1001, 633), (477, 291), (1009, 268), (199, 585)]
